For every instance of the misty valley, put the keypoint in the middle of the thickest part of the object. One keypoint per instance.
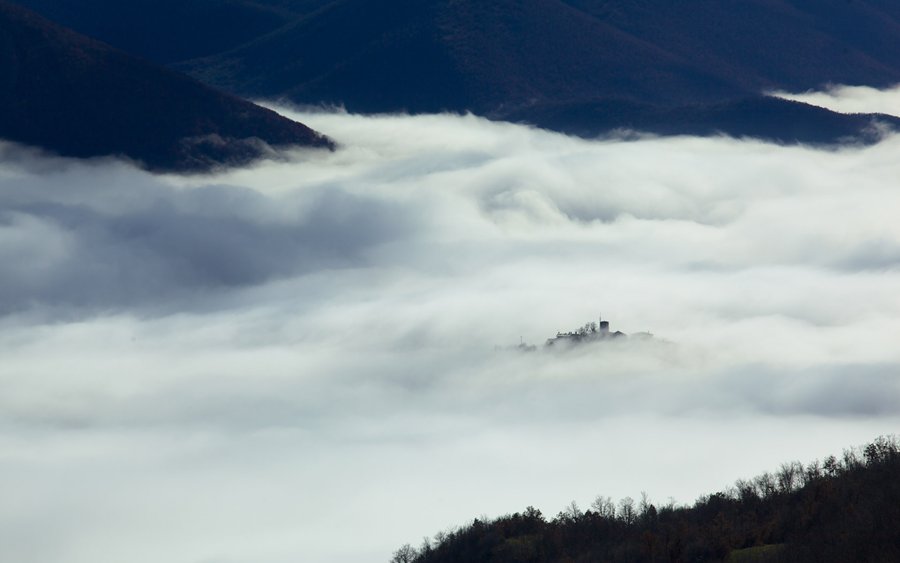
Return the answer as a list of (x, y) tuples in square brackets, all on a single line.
[(311, 340), (545, 281)]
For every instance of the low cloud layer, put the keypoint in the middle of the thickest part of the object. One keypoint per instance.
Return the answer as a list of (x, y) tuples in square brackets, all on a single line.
[(105, 236), (851, 99), (300, 360)]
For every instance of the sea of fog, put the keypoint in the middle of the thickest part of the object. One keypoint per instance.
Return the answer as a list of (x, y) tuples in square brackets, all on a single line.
[(299, 361)]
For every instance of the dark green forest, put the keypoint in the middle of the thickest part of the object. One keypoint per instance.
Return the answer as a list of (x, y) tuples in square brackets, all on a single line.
[(842, 509)]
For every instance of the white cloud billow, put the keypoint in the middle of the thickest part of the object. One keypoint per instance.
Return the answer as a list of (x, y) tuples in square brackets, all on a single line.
[(298, 360), (851, 99)]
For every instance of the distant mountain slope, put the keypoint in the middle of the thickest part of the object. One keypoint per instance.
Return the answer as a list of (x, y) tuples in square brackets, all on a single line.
[(167, 31), (373, 56), (796, 44), (764, 44), (691, 67), (381, 56), (431, 55), (522, 59), (771, 119), (78, 97)]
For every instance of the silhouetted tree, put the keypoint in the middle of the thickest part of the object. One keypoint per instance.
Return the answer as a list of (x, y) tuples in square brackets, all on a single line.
[(626, 510), (604, 507), (406, 554)]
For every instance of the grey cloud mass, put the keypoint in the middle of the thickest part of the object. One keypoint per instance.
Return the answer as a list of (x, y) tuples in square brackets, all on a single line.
[(135, 242), (257, 365)]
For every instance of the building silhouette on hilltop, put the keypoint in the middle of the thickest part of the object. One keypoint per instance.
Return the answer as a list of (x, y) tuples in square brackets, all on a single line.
[(590, 332)]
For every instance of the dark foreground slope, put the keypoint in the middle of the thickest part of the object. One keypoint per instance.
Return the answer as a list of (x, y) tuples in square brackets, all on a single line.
[(77, 97), (837, 511)]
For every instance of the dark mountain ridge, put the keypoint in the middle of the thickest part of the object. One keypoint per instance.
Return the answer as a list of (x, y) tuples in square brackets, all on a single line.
[(78, 97), (168, 31), (772, 119), (648, 50), (764, 44), (577, 66), (434, 55)]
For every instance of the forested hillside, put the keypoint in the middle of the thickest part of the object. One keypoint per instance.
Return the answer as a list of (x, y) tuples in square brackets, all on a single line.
[(842, 509)]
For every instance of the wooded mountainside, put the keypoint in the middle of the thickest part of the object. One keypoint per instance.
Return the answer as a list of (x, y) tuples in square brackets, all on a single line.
[(842, 510)]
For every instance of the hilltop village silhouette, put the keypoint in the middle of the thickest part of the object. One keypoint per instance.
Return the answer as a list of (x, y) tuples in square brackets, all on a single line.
[(590, 333)]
